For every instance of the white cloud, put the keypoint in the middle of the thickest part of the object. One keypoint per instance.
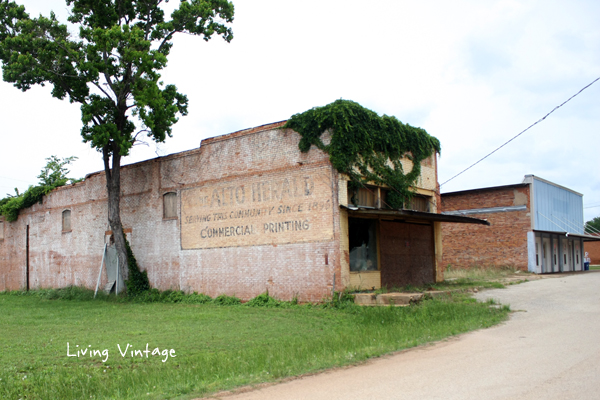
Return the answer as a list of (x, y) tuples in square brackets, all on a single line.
[(472, 73)]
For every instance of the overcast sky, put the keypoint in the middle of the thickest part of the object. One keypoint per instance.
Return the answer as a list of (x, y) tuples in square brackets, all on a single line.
[(472, 73)]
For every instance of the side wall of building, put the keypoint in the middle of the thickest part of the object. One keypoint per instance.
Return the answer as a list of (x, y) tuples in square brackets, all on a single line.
[(503, 243), (293, 226), (593, 250), (556, 208)]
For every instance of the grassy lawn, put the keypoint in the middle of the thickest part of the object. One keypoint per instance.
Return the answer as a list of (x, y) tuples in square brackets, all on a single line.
[(215, 347), (594, 267), (467, 279), (491, 277)]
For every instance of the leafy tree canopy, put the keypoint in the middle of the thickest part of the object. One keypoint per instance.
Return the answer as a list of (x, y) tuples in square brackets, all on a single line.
[(55, 172), (366, 147), (593, 226), (111, 66)]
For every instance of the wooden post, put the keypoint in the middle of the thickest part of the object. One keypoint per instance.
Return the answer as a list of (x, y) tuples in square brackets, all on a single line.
[(27, 257)]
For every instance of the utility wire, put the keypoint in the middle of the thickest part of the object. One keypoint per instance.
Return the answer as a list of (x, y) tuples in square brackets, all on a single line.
[(522, 132), (13, 179)]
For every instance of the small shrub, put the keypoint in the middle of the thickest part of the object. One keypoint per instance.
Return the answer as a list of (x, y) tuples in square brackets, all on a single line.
[(195, 298), (175, 297), (150, 296), (264, 300), (224, 300), (340, 300)]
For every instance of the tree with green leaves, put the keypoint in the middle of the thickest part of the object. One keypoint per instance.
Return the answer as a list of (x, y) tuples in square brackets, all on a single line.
[(111, 66), (53, 175), (55, 172), (593, 226)]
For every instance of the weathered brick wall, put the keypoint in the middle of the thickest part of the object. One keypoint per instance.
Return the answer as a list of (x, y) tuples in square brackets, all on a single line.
[(254, 181), (593, 250), (306, 269), (503, 243)]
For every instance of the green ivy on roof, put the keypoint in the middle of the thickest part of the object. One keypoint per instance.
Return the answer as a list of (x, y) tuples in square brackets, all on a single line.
[(366, 147)]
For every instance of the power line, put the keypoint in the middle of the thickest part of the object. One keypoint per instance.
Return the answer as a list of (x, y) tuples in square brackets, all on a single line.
[(13, 179), (522, 132)]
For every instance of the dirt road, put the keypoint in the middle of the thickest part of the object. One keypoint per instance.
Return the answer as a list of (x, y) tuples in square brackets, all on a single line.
[(549, 349)]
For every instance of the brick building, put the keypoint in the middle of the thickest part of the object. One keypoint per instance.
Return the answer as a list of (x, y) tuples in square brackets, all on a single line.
[(243, 213), (536, 225), (593, 251)]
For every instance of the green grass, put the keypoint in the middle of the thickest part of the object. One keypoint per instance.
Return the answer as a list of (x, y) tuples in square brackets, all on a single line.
[(594, 267), (217, 347), (480, 273), (480, 278)]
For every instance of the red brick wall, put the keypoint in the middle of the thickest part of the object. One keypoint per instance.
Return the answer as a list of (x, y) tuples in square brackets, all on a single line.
[(593, 248), (59, 259), (503, 243)]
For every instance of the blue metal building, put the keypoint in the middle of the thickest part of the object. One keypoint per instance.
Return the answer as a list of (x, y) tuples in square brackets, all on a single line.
[(555, 243)]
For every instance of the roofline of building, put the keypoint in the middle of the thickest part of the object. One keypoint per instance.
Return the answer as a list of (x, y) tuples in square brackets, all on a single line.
[(532, 177), (243, 132), (214, 139), (513, 186), (527, 180), (586, 238)]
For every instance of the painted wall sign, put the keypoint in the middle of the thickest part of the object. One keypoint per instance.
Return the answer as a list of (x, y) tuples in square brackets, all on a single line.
[(279, 208)]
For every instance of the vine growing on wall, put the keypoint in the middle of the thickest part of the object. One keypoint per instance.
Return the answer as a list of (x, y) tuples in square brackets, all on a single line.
[(53, 175), (138, 282), (367, 147)]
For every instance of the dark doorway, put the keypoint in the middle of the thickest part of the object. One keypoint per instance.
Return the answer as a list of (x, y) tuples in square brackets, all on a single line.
[(363, 244), (407, 254)]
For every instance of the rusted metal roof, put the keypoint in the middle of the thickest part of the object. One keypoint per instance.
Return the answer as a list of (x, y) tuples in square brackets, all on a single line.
[(413, 215)]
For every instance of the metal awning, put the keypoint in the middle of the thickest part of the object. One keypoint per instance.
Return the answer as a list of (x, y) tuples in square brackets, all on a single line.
[(586, 238), (412, 215)]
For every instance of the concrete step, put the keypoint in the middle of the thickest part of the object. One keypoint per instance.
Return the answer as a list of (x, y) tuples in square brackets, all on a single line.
[(365, 299), (396, 299)]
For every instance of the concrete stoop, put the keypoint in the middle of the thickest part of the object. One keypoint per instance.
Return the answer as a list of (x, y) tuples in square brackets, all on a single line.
[(396, 299)]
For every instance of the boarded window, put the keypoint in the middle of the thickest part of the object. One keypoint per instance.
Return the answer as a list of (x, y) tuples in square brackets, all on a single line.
[(363, 244), (170, 205), (365, 197), (1, 230), (66, 221), (419, 203)]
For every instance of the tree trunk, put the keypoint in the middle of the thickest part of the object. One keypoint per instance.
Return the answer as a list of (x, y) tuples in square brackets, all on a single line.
[(113, 186)]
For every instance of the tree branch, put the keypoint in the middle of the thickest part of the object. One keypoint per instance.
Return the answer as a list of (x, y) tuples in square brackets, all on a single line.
[(102, 90)]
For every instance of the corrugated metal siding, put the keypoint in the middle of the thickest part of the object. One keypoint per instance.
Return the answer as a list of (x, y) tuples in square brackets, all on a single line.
[(557, 209)]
